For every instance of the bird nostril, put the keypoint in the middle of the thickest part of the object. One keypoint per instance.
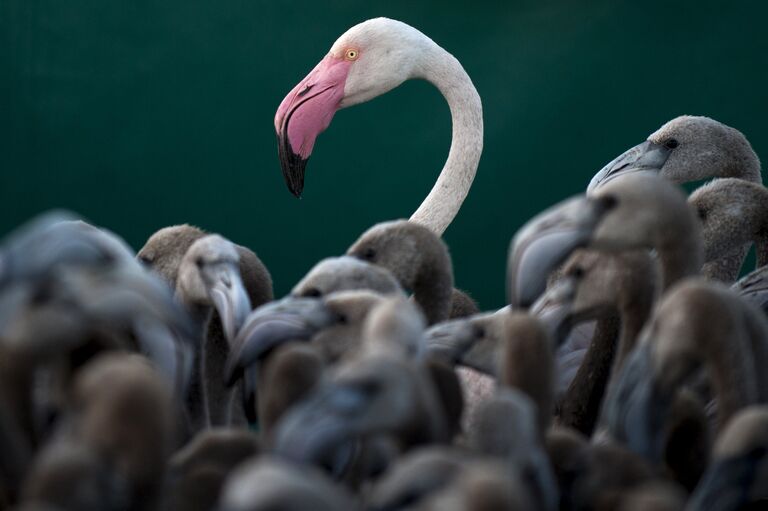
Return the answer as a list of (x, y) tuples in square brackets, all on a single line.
[(304, 91)]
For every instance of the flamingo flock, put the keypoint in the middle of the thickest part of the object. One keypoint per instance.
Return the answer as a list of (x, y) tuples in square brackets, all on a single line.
[(627, 370)]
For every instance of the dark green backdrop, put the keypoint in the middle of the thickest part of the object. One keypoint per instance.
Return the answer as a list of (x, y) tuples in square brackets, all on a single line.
[(139, 114)]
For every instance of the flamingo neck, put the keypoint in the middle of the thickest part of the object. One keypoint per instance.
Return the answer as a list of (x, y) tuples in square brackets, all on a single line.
[(635, 311), (679, 261), (680, 247), (449, 191)]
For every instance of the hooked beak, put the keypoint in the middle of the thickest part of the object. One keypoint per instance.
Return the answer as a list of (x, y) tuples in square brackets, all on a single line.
[(545, 242), (465, 342), (230, 299), (305, 113), (269, 326), (646, 157), (447, 341)]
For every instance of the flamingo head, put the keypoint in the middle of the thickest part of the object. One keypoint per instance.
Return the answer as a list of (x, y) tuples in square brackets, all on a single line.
[(366, 61)]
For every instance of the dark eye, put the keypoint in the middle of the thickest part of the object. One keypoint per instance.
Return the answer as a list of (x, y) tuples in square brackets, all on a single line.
[(369, 254), (145, 260), (199, 262), (479, 331), (702, 214), (341, 318), (671, 143), (312, 292), (608, 202), (577, 272)]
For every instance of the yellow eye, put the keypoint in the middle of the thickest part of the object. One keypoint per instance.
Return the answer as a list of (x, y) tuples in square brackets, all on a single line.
[(351, 54)]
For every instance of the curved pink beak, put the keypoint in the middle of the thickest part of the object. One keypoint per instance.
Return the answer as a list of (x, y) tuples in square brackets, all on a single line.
[(305, 113)]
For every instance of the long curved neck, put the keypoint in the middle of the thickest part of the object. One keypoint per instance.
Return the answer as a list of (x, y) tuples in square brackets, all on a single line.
[(580, 406), (681, 253), (195, 398), (634, 316), (727, 267), (449, 191), (527, 364), (734, 375), (732, 240), (433, 286)]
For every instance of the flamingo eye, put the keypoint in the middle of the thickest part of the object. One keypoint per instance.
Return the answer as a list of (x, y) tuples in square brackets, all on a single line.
[(351, 54), (369, 254), (312, 292)]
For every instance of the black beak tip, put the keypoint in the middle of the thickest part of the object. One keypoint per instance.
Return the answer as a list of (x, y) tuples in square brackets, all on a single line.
[(292, 165)]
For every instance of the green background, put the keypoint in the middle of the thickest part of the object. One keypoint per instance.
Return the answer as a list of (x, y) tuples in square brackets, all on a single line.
[(140, 114)]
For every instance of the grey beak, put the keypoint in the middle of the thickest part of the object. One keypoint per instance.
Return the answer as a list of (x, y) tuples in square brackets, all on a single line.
[(447, 341), (542, 244), (464, 341), (291, 319), (230, 299), (645, 157)]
